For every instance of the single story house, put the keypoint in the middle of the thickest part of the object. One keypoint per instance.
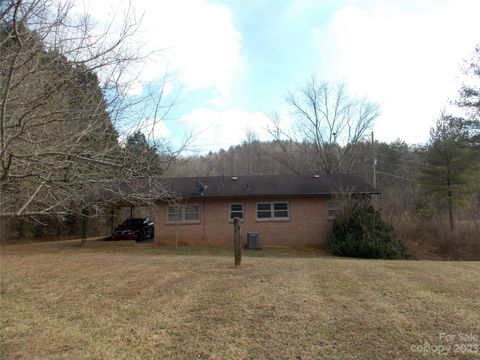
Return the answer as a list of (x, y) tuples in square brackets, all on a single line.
[(283, 210)]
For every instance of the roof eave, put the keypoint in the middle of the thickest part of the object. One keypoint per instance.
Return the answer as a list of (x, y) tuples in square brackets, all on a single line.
[(277, 195)]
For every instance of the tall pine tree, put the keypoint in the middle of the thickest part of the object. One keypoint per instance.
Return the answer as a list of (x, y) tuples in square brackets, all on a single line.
[(451, 169), (142, 157)]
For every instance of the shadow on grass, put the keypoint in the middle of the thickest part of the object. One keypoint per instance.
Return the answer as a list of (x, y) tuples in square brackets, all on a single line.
[(215, 250), (184, 250)]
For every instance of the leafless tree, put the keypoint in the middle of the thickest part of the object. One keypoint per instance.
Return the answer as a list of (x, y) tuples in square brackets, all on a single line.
[(65, 112), (328, 124), (250, 144)]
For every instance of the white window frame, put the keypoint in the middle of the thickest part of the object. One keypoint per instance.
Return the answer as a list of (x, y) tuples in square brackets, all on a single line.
[(335, 206), (272, 211), (230, 219), (183, 214)]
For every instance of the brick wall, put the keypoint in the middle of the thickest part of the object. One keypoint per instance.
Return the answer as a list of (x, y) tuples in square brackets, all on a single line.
[(307, 224)]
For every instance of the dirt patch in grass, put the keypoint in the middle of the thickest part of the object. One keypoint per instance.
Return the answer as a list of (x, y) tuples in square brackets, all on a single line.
[(62, 301)]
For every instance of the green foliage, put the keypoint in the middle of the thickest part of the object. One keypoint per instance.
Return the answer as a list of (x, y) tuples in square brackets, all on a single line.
[(142, 156), (365, 234), (464, 131), (451, 165), (469, 96)]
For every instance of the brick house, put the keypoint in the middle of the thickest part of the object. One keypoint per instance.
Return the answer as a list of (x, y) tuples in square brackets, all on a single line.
[(284, 210)]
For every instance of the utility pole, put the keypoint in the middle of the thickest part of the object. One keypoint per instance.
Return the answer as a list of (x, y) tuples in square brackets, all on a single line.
[(374, 181), (374, 156)]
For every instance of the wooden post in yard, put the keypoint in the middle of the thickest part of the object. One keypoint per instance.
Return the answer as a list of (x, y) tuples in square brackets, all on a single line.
[(111, 221), (236, 241)]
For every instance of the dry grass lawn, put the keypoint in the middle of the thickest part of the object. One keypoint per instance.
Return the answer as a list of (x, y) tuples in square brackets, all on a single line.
[(60, 301)]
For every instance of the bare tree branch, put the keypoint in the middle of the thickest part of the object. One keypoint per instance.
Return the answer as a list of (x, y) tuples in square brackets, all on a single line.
[(328, 126), (66, 115)]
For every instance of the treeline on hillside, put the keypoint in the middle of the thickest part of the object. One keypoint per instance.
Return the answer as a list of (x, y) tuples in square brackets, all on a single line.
[(399, 169)]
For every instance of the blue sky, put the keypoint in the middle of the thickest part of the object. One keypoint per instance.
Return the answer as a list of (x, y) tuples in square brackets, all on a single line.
[(234, 61)]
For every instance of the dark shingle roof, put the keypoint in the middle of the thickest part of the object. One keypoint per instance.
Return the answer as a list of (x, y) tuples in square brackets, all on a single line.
[(266, 185)]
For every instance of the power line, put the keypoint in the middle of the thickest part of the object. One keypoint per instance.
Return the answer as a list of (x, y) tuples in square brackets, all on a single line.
[(396, 176), (406, 161)]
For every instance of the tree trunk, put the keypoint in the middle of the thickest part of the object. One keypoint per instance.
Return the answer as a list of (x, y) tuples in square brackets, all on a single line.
[(450, 210), (450, 198)]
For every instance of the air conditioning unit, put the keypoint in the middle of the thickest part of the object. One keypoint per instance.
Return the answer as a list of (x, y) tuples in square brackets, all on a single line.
[(253, 241)]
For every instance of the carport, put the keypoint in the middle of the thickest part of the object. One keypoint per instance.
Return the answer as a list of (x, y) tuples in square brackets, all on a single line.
[(138, 196), (113, 220)]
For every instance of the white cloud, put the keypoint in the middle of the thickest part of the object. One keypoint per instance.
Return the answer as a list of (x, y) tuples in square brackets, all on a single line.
[(167, 88), (195, 39), (406, 58), (156, 129), (219, 129)]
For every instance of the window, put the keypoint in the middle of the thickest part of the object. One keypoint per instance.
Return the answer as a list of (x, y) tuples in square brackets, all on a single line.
[(183, 214), (264, 211), (236, 210), (334, 208), (273, 211), (280, 210)]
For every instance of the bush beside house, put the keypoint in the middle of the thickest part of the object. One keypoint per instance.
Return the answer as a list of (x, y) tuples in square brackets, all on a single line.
[(363, 233)]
